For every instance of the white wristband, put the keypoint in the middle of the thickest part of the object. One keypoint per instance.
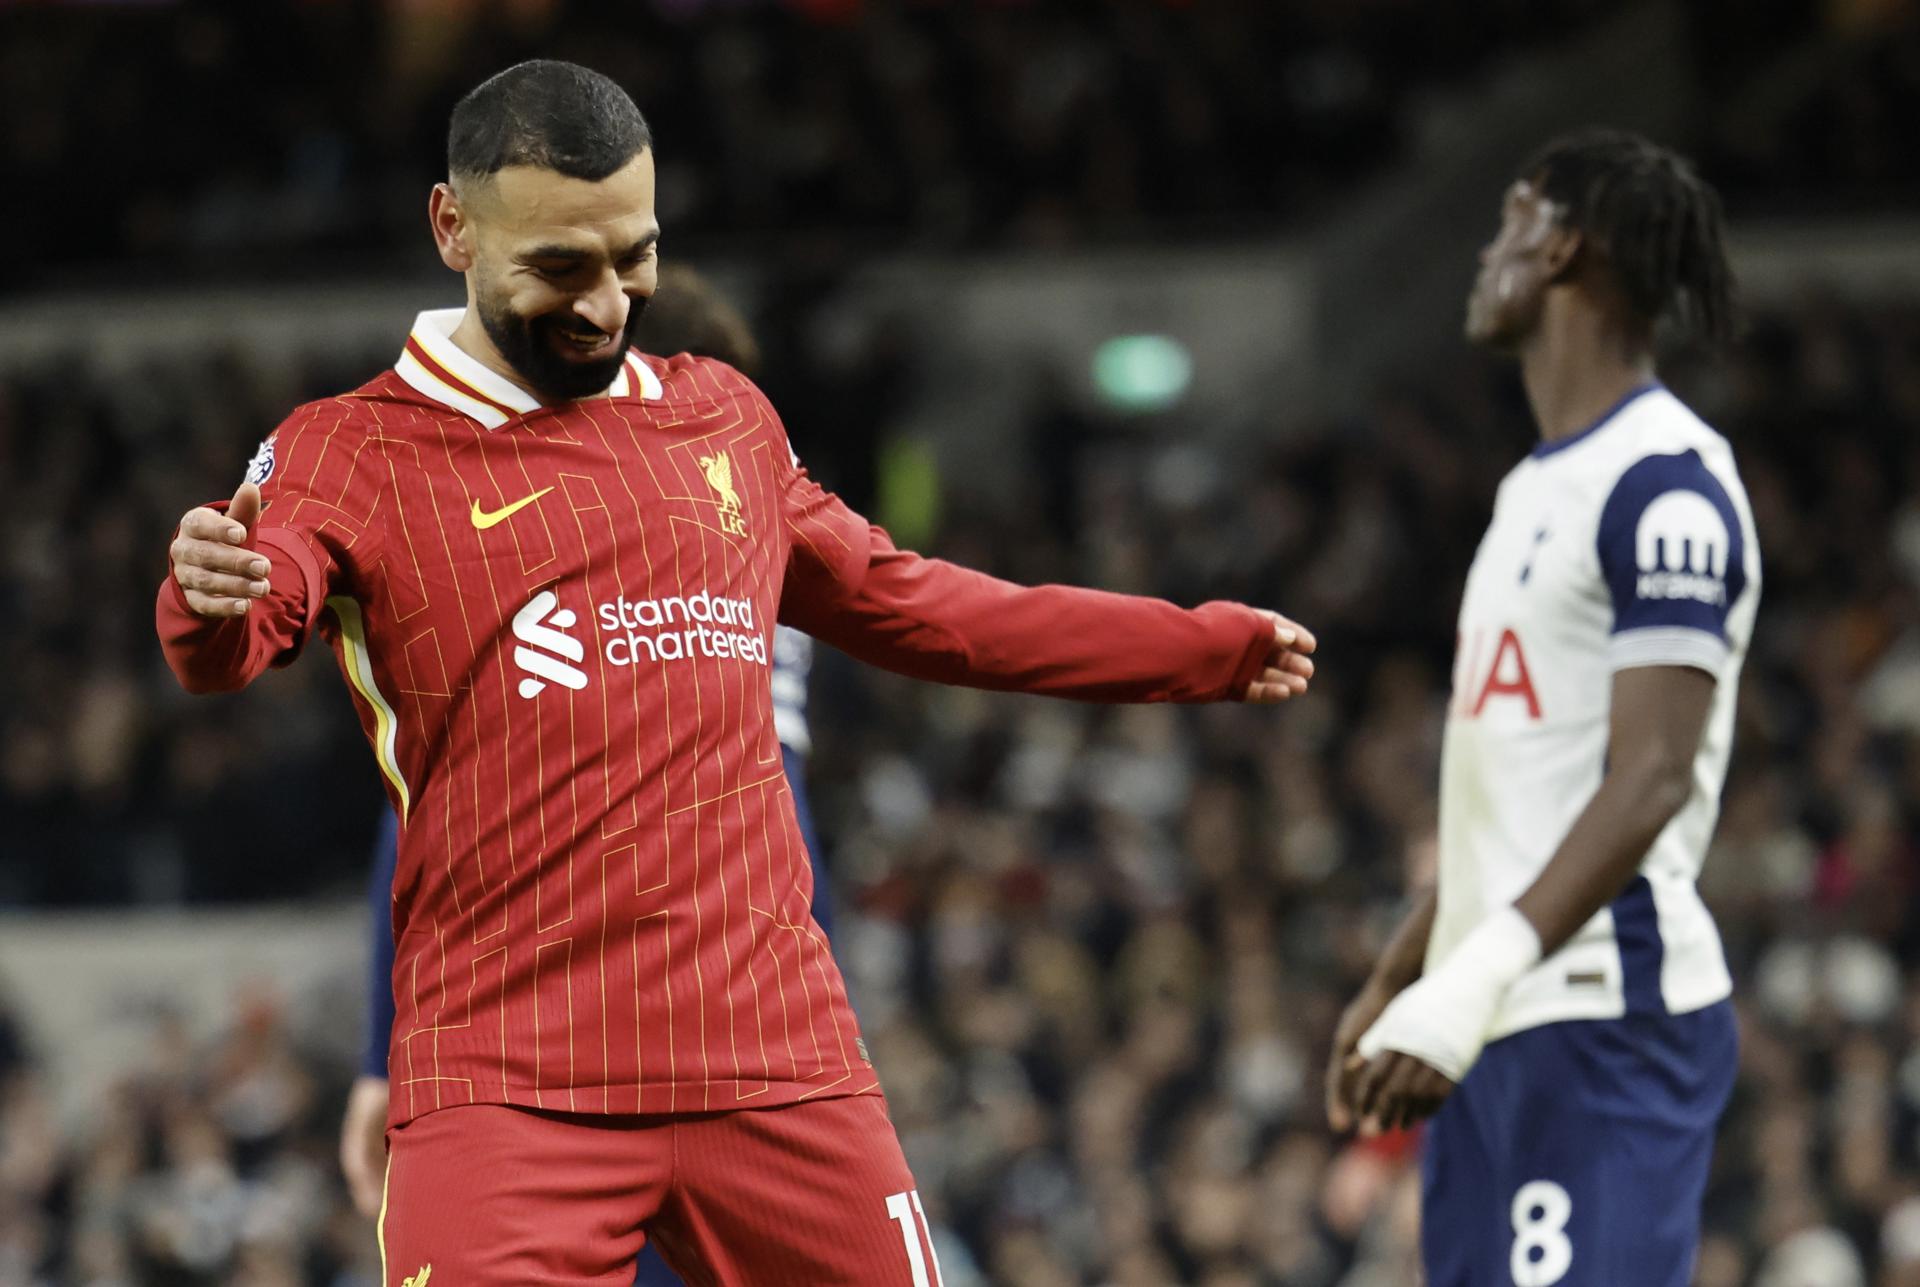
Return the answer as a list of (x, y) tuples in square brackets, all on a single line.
[(1444, 1018), (1501, 949)]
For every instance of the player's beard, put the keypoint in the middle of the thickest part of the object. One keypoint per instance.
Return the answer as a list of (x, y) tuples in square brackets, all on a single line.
[(529, 344)]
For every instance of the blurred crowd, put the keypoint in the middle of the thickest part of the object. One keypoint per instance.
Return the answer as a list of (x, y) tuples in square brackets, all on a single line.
[(116, 787), (206, 1164), (1804, 105), (194, 137), (931, 122), (1097, 953)]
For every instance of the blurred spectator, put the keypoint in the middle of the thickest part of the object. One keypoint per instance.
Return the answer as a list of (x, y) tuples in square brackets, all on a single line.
[(204, 1166), (310, 126), (849, 123)]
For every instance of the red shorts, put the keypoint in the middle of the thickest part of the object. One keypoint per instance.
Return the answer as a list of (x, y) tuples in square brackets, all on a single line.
[(805, 1194)]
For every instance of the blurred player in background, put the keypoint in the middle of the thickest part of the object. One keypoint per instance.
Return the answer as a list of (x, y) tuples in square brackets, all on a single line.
[(1571, 1026), (549, 567)]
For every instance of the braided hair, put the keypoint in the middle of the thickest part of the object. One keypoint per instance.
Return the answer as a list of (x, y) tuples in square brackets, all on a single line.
[(1654, 221)]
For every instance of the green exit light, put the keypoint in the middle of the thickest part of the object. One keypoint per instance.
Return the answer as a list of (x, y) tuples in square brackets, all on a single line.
[(1142, 372)]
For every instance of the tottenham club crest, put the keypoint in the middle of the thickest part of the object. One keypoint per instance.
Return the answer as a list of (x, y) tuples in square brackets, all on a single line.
[(260, 468)]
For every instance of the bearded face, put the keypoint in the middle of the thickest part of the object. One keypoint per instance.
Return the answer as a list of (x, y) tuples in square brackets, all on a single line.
[(559, 270)]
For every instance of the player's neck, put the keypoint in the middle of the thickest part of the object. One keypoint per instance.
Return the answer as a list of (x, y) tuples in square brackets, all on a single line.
[(1578, 370)]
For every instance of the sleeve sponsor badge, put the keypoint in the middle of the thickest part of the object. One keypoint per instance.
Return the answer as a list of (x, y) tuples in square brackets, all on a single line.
[(260, 468)]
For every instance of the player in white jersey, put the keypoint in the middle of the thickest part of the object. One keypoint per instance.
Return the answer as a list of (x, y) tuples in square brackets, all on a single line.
[(1559, 1003)]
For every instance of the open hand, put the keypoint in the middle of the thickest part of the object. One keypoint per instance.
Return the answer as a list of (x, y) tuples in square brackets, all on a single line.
[(1288, 666), (219, 575)]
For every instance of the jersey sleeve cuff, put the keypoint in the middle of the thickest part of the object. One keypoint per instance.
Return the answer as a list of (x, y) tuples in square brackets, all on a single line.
[(1667, 646), (280, 541)]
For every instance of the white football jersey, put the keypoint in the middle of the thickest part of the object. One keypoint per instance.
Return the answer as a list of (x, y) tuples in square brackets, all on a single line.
[(1631, 544)]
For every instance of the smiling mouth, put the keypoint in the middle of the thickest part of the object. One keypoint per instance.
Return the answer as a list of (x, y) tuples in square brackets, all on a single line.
[(586, 345)]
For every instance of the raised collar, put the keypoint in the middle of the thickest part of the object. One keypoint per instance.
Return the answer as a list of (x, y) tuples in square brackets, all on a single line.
[(440, 369)]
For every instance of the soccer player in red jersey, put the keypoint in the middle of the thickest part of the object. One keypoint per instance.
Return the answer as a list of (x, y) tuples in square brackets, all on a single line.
[(550, 569)]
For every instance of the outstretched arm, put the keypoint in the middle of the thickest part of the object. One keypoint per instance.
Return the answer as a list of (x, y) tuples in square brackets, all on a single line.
[(849, 586)]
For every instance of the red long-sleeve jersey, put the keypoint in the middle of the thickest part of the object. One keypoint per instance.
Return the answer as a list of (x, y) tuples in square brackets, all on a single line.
[(556, 624)]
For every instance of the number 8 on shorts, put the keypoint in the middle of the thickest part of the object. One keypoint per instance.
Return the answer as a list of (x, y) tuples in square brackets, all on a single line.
[(1542, 1252)]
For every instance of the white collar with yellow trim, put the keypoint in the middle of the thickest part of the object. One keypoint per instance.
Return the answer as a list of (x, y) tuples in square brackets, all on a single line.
[(432, 364)]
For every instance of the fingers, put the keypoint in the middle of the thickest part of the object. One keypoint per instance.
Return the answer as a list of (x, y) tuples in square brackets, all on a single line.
[(212, 605), (1341, 1073), (194, 576), (1383, 1088), (1270, 692), (1396, 1091), (1284, 634), (1391, 1103), (212, 585), (1395, 1109), (205, 524), (1288, 668), (1366, 1088), (247, 581), (1289, 633), (217, 556), (245, 507), (1276, 684), (211, 592), (1336, 1089), (1430, 1092), (217, 573)]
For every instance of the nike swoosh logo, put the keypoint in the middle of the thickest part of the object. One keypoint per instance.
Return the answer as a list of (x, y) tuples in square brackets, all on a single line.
[(482, 520)]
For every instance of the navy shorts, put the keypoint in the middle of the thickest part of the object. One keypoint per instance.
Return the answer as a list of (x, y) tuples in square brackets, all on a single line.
[(1575, 1154)]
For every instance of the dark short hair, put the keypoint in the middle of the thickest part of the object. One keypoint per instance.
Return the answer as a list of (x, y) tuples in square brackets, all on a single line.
[(1651, 217), (554, 115)]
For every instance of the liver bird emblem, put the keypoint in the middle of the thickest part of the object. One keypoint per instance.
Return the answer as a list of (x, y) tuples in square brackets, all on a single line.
[(719, 471)]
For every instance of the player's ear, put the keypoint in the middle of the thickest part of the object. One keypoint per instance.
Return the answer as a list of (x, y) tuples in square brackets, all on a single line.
[(1562, 252), (452, 232)]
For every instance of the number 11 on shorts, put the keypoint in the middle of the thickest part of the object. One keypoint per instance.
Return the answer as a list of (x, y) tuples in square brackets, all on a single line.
[(907, 1212)]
